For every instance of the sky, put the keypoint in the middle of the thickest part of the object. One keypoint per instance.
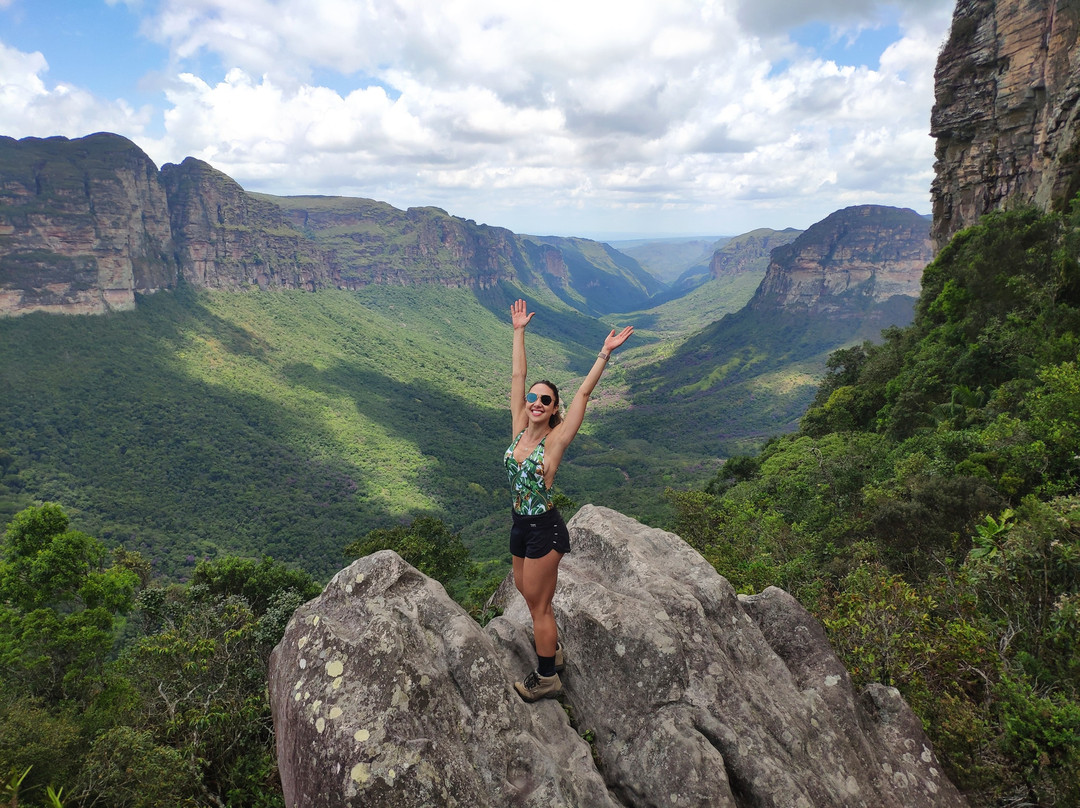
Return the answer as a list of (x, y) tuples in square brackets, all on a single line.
[(598, 118)]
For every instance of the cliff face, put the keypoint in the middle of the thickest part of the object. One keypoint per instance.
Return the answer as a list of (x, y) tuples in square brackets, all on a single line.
[(83, 225), (1005, 111), (853, 258), (373, 242), (228, 239), (87, 223)]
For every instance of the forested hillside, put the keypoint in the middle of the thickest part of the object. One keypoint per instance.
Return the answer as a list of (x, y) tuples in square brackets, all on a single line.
[(927, 509), (285, 423)]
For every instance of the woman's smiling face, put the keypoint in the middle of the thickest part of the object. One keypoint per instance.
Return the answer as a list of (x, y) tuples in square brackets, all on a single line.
[(538, 411)]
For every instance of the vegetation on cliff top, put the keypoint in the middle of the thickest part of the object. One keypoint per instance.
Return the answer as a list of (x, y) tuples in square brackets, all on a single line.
[(927, 510)]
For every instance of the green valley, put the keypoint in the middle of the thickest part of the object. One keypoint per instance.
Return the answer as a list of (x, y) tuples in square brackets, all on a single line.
[(292, 423)]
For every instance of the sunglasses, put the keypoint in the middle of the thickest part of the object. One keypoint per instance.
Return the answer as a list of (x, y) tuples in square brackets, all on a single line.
[(531, 398)]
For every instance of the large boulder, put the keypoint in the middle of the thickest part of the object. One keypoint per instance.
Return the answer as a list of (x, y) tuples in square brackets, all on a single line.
[(385, 693)]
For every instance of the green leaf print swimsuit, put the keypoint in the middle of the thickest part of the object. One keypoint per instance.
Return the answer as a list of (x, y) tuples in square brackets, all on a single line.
[(531, 495)]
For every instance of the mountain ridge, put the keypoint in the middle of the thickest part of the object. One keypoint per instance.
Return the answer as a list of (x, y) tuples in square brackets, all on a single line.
[(141, 230)]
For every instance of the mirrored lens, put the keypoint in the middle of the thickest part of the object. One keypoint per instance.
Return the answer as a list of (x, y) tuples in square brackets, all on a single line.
[(531, 398)]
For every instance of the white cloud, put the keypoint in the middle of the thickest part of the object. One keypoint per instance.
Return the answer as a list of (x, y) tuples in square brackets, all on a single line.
[(30, 107), (521, 112)]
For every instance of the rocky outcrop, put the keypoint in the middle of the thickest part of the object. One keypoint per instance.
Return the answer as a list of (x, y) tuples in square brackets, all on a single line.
[(84, 225), (852, 259), (677, 693), (1005, 113)]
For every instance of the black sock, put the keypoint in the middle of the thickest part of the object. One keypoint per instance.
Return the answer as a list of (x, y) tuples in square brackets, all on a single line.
[(545, 665)]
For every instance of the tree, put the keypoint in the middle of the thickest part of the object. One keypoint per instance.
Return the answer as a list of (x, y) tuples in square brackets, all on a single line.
[(198, 677), (59, 602), (426, 543), (201, 682), (258, 582)]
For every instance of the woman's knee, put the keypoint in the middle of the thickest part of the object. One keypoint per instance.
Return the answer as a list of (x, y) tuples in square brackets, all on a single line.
[(539, 607)]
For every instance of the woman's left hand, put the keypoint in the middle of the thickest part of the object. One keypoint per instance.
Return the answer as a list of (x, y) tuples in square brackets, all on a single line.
[(614, 340)]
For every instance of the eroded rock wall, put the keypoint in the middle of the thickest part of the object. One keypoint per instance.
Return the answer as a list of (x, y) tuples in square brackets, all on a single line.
[(83, 225), (853, 258), (86, 224), (1005, 111), (749, 252), (229, 239), (373, 242)]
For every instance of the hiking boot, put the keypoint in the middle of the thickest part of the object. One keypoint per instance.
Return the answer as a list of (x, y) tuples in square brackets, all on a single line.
[(537, 687), (559, 664)]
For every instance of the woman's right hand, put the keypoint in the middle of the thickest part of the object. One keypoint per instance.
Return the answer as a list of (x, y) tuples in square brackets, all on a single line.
[(518, 315)]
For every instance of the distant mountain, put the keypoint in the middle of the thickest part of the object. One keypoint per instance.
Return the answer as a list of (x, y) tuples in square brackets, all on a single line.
[(669, 258), (750, 252), (752, 373), (592, 276), (855, 257), (730, 257), (85, 224)]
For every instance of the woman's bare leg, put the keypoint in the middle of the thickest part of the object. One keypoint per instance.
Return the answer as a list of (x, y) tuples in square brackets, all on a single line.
[(537, 586)]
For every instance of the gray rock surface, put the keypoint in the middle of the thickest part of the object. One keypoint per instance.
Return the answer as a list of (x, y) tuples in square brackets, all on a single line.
[(385, 693)]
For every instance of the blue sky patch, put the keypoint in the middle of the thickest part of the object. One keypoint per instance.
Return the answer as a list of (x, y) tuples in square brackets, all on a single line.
[(854, 47)]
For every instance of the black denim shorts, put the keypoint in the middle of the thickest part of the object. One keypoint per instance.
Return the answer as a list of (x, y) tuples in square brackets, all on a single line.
[(536, 536)]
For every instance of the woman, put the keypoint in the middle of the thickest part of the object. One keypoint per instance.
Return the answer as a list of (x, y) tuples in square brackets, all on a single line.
[(539, 538)]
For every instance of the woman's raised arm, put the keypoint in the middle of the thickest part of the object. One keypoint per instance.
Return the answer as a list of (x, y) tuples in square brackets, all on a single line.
[(519, 317), (575, 413)]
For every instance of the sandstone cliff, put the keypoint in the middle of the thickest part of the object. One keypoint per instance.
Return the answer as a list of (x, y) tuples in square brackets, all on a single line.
[(853, 258), (677, 693), (373, 242), (86, 224), (229, 239), (1005, 111)]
